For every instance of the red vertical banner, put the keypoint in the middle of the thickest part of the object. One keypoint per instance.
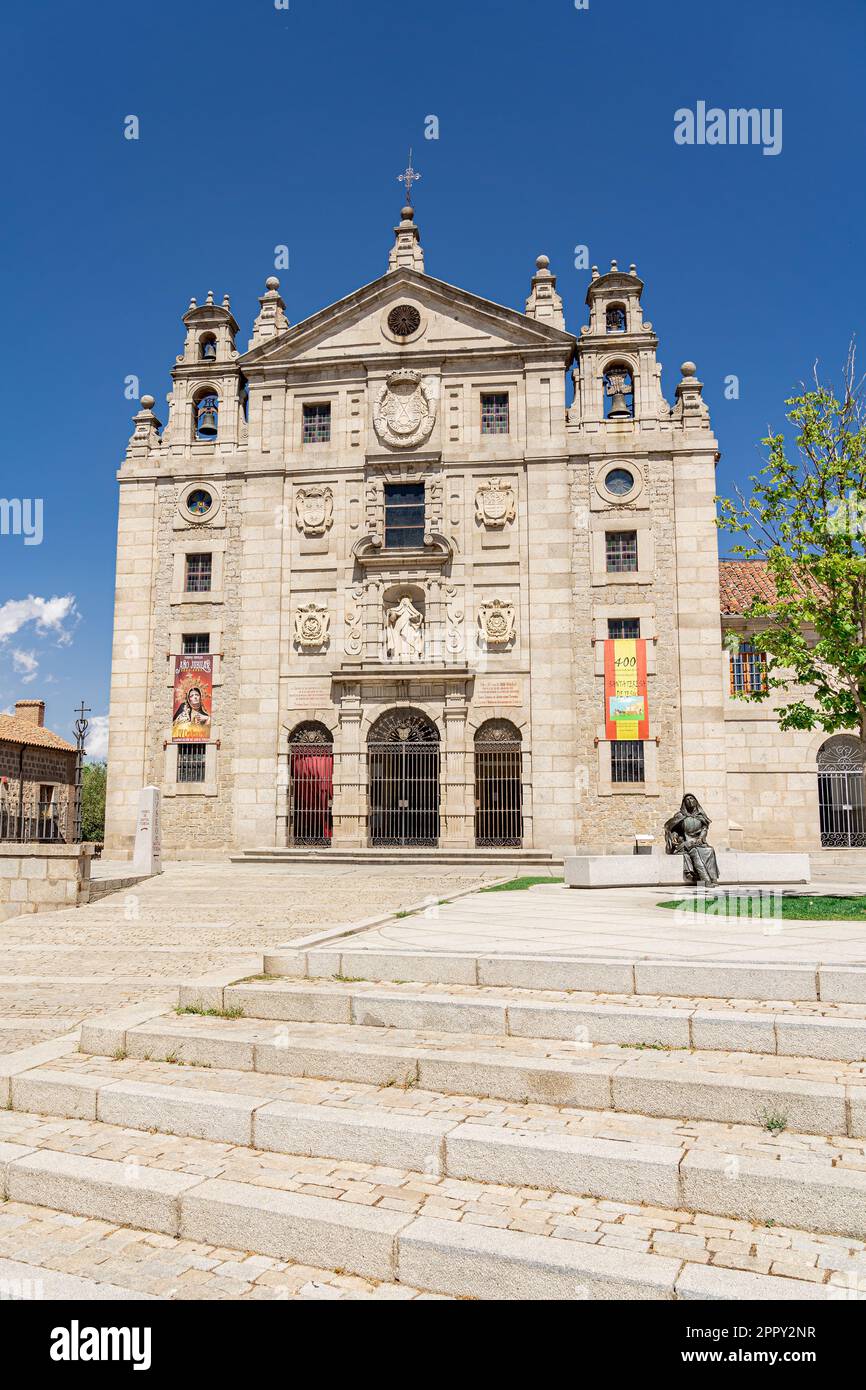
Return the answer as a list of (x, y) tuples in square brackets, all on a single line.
[(192, 705), (626, 714)]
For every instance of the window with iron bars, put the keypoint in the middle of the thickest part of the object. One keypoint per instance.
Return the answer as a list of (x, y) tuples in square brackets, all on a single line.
[(623, 629), (748, 670), (620, 549), (191, 762), (198, 574), (404, 516), (195, 643), (627, 761), (317, 424), (494, 413)]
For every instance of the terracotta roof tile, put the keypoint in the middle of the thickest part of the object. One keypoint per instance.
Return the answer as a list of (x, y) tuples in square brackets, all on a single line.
[(15, 730), (742, 581)]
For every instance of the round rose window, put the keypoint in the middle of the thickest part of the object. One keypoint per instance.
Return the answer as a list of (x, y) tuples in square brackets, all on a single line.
[(404, 320), (199, 502), (619, 482)]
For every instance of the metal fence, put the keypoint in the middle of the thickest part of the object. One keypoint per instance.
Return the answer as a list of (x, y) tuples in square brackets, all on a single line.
[(403, 793), (311, 791), (842, 809), (498, 795), (35, 822)]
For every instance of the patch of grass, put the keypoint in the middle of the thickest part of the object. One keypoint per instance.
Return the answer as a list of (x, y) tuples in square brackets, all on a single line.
[(208, 1013), (655, 1047), (172, 1057), (254, 979), (515, 885), (800, 907), (120, 1054), (773, 1121), (348, 979)]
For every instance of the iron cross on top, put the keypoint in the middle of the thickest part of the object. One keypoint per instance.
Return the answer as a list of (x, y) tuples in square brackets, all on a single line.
[(408, 177)]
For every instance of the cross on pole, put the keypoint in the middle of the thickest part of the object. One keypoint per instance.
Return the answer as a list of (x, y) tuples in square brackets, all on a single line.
[(408, 177)]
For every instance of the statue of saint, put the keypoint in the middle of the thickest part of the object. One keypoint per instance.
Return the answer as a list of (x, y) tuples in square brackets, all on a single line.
[(686, 834), (404, 632)]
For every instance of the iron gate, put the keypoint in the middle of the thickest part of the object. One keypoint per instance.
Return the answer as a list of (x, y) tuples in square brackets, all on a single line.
[(403, 780), (311, 791), (498, 786), (841, 802)]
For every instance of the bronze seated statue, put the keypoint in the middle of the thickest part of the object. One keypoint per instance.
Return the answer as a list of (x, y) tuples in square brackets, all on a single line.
[(686, 834)]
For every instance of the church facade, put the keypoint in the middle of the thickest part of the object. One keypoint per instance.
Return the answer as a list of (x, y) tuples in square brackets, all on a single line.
[(383, 581)]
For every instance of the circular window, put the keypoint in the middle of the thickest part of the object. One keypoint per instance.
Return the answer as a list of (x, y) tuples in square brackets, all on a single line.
[(404, 320), (199, 502), (619, 482)]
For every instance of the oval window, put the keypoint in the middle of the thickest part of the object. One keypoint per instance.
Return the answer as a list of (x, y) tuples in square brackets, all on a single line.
[(199, 502), (619, 482)]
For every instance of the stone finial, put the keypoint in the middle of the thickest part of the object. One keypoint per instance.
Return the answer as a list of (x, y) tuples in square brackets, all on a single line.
[(595, 272), (209, 299), (145, 435), (544, 304), (226, 302), (406, 251), (271, 319), (690, 409), (632, 270)]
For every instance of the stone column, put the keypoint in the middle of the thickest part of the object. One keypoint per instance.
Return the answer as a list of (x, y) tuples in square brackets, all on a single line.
[(350, 775)]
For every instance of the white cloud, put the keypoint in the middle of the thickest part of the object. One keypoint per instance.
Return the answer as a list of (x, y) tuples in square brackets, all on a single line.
[(26, 664), (97, 737), (49, 614)]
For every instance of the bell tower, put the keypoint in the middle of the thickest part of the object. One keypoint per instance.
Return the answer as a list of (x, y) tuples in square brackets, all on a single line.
[(207, 404), (617, 377)]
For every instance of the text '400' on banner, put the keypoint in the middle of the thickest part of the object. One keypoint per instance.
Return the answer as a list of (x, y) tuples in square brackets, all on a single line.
[(625, 701)]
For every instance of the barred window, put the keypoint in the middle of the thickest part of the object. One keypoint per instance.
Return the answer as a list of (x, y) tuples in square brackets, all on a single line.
[(317, 423), (622, 629), (191, 761), (494, 413), (195, 643), (198, 574), (621, 551), (404, 516), (626, 761), (748, 670)]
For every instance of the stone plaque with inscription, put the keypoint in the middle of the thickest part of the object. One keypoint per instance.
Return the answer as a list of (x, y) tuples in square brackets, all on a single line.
[(310, 695), (498, 690)]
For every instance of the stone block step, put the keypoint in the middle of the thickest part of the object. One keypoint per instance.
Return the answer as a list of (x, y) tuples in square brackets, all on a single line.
[(804, 1094), (819, 1184), (585, 1018), (841, 984), (468, 1239)]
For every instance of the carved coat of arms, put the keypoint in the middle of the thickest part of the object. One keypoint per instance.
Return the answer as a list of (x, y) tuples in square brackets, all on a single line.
[(314, 510), (312, 626), (497, 623), (405, 411), (494, 503)]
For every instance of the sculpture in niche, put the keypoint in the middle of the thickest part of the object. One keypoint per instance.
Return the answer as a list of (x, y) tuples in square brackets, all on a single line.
[(314, 510), (497, 623), (404, 631), (494, 503), (312, 626), (686, 834), (405, 411)]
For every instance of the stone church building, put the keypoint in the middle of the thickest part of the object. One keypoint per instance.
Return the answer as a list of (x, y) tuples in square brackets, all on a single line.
[(384, 579)]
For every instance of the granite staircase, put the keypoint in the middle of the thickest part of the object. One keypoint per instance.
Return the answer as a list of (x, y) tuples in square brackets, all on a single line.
[(475, 1126)]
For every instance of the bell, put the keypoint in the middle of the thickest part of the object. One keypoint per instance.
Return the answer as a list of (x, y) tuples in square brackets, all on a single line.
[(618, 407), (207, 422), (208, 350)]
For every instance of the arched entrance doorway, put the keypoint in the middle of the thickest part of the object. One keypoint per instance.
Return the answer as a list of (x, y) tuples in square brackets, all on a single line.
[(498, 785), (311, 785), (403, 779), (841, 805)]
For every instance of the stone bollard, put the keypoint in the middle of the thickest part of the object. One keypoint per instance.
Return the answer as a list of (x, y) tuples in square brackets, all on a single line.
[(147, 857)]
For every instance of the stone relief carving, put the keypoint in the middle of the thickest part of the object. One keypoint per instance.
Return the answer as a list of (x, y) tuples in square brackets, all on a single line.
[(404, 631), (497, 623), (454, 615), (354, 639), (405, 410), (314, 510), (495, 504), (312, 626)]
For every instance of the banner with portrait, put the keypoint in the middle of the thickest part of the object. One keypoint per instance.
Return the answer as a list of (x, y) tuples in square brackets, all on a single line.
[(625, 698), (192, 703)]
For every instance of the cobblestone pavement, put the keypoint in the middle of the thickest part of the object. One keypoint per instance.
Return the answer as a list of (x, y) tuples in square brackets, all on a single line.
[(57, 968), (836, 1261), (145, 1262)]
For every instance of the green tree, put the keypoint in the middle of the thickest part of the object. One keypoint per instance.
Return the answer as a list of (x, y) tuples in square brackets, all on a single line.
[(806, 517), (93, 777)]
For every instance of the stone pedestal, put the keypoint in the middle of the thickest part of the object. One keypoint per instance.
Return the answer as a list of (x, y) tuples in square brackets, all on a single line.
[(651, 870), (147, 857)]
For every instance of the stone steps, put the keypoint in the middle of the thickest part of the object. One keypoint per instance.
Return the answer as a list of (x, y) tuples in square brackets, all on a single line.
[(484, 858), (468, 1239), (622, 1157), (841, 984), (648, 1020), (809, 1095)]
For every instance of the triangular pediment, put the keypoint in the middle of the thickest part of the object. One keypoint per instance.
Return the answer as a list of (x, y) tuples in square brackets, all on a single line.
[(453, 321)]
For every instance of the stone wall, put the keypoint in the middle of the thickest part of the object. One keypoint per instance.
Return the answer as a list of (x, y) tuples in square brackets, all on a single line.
[(43, 878)]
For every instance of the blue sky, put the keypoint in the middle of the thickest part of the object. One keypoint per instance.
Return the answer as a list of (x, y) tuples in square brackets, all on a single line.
[(262, 126)]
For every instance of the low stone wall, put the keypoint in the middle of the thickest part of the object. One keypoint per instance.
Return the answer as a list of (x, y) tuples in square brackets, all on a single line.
[(42, 878)]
